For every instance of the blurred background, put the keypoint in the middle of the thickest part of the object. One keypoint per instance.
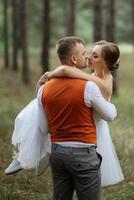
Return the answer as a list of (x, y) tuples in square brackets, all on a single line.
[(29, 31)]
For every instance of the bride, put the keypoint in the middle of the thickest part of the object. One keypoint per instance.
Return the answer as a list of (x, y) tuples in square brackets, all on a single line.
[(103, 58)]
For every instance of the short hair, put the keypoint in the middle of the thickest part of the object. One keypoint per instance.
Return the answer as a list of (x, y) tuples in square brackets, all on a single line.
[(65, 46)]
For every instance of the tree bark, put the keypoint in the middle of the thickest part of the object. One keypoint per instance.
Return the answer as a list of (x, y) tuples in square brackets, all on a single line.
[(132, 11), (15, 33), (5, 35), (24, 45), (110, 29), (97, 20), (46, 36), (71, 18)]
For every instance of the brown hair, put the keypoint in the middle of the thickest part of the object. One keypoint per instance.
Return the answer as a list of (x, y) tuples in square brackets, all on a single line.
[(65, 46), (110, 54)]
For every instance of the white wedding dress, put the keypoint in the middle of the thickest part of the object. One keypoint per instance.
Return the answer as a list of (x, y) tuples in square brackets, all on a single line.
[(111, 172), (33, 144)]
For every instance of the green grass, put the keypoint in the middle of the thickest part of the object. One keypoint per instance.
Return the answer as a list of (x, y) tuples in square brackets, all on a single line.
[(122, 131), (26, 185)]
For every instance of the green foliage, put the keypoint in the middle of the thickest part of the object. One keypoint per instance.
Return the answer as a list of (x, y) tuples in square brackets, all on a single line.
[(58, 21), (34, 23), (84, 23), (58, 17), (124, 21)]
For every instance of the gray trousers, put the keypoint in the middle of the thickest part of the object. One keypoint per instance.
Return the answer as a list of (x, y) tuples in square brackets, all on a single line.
[(75, 168)]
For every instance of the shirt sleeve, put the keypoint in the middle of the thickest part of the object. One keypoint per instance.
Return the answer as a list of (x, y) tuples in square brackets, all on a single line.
[(42, 117), (93, 98)]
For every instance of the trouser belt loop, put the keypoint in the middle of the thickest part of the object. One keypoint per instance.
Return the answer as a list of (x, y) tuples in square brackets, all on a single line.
[(88, 149), (71, 150), (54, 146)]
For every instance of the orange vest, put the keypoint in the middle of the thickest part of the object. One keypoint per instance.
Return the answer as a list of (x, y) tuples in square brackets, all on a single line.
[(68, 117)]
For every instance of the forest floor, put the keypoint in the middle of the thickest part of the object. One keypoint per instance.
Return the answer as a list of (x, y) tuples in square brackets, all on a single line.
[(25, 185)]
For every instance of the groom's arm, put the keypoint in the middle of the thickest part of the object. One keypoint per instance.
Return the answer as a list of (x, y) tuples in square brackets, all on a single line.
[(93, 98)]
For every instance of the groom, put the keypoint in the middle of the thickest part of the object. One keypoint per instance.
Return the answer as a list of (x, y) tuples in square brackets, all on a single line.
[(68, 104)]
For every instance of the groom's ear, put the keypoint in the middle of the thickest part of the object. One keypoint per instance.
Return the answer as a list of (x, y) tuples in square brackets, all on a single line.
[(73, 59)]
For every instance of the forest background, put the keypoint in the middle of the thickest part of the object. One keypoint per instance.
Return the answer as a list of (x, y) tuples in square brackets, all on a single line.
[(29, 31)]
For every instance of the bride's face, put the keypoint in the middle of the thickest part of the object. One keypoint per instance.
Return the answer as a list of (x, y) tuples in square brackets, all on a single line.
[(96, 61)]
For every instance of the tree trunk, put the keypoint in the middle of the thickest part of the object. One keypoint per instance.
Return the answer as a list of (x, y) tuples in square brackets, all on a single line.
[(110, 29), (132, 11), (23, 29), (46, 36), (5, 35), (15, 34), (110, 20), (97, 20), (71, 18)]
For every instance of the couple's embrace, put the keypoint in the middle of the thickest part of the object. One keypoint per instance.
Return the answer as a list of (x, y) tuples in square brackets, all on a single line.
[(66, 123)]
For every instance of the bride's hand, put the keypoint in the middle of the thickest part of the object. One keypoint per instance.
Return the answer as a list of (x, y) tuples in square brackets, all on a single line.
[(42, 80)]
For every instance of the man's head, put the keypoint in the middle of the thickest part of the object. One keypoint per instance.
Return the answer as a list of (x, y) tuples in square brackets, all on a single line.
[(71, 51)]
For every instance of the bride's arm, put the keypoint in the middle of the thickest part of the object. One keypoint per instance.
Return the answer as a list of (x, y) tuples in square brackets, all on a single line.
[(73, 72)]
